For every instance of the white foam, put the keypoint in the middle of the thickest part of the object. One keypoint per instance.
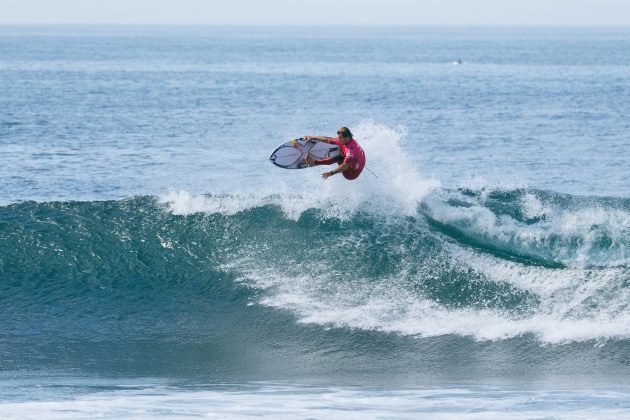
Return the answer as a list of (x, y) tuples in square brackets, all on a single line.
[(282, 401), (533, 207), (569, 304), (393, 309), (183, 203), (571, 236)]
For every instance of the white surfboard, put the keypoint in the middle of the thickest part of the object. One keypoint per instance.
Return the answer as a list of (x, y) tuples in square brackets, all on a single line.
[(291, 155)]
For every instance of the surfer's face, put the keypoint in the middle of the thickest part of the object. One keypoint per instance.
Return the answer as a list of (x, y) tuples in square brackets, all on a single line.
[(342, 139)]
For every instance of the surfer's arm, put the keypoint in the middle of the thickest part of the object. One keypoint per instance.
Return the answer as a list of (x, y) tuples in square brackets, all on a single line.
[(338, 169), (320, 138)]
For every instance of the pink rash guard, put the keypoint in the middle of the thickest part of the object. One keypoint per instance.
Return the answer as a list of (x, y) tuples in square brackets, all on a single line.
[(354, 156)]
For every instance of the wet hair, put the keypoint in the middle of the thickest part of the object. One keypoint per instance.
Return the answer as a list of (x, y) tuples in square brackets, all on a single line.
[(344, 132)]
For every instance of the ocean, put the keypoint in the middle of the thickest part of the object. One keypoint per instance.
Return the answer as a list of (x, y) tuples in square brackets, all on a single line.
[(153, 263)]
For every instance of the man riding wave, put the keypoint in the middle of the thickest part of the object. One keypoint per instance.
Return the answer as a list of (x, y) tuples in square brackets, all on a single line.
[(351, 161)]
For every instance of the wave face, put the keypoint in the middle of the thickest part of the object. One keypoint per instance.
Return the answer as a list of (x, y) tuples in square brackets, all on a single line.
[(235, 272)]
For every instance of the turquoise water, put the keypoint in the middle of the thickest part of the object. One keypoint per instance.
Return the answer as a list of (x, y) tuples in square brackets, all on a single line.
[(151, 255)]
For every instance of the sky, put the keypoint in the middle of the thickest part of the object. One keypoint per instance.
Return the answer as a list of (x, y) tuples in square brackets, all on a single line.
[(313, 12)]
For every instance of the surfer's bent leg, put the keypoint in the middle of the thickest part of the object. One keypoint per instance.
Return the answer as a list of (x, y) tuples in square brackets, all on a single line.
[(329, 161)]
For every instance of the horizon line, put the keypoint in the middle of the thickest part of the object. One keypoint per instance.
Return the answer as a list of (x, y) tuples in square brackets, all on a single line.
[(336, 25)]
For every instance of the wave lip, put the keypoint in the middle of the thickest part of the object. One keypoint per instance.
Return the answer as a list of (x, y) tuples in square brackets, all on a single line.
[(552, 229)]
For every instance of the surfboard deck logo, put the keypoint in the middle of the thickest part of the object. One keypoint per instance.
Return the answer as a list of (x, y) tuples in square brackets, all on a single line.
[(291, 155)]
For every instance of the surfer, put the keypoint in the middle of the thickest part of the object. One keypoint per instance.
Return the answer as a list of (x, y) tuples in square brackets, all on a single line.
[(351, 161)]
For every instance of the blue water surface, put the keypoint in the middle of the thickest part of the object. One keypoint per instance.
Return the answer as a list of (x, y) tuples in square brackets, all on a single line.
[(109, 112), (153, 263)]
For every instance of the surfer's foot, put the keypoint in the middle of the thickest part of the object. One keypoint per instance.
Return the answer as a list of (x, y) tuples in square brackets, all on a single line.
[(308, 161)]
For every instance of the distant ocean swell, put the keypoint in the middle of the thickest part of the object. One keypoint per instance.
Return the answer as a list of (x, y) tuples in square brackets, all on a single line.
[(486, 264)]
